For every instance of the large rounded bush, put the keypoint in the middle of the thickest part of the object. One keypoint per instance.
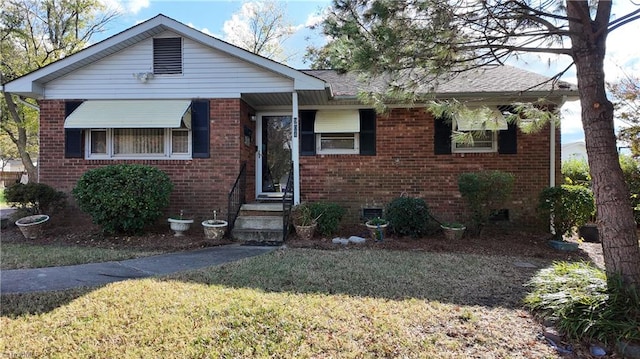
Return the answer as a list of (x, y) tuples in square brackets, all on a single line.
[(123, 198), (408, 216)]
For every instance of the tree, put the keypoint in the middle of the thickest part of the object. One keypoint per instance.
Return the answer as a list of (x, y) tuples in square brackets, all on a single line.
[(260, 27), (626, 93), (34, 33), (419, 41)]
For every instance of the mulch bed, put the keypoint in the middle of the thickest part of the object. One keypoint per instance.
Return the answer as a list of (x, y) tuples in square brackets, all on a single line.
[(494, 241)]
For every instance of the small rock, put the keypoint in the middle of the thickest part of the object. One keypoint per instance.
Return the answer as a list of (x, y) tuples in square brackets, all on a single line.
[(356, 239), (597, 351), (552, 334), (339, 240)]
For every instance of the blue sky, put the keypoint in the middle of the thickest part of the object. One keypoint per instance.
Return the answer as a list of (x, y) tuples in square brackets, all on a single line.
[(210, 16)]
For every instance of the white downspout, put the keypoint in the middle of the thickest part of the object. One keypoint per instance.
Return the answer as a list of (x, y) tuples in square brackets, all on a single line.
[(552, 156), (295, 148)]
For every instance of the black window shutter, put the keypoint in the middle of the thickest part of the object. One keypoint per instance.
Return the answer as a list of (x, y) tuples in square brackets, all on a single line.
[(200, 129), (442, 136), (508, 140), (368, 132), (307, 134), (72, 136)]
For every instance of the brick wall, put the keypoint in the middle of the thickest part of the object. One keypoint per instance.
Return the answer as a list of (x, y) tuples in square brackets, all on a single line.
[(406, 163), (200, 185)]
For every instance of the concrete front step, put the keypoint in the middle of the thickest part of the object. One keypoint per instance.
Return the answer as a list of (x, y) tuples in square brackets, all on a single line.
[(259, 222), (262, 207), (257, 235)]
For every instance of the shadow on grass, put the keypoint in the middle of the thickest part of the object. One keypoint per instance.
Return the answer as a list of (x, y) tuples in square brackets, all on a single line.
[(17, 304), (458, 278), (464, 279)]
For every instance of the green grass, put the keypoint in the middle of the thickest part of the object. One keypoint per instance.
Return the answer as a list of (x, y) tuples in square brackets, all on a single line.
[(15, 255), (294, 303), (3, 202)]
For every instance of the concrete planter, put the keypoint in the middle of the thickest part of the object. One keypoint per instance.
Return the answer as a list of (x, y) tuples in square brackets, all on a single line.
[(32, 226), (305, 232), (214, 229), (453, 233), (377, 231), (179, 226)]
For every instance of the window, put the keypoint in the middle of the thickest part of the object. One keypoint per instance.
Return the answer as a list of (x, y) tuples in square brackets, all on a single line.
[(167, 56), (139, 143), (338, 132), (483, 141), (337, 143)]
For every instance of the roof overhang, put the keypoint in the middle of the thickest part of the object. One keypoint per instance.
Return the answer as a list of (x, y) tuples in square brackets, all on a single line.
[(131, 114)]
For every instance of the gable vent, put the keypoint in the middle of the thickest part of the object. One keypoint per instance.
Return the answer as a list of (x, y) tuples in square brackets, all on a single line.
[(167, 56)]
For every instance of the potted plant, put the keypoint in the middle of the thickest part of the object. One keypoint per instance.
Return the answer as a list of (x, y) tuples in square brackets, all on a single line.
[(453, 230), (214, 229), (377, 228), (303, 221), (32, 226), (179, 224)]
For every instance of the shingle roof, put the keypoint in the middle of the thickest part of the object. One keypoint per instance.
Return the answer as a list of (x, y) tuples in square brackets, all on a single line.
[(496, 79)]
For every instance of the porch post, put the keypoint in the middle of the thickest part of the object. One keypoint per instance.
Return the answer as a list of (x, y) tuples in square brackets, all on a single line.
[(295, 150)]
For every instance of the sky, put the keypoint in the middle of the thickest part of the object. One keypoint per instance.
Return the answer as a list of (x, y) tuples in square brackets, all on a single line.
[(212, 16)]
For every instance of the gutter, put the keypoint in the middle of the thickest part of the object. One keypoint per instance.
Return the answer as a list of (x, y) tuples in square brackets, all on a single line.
[(35, 107)]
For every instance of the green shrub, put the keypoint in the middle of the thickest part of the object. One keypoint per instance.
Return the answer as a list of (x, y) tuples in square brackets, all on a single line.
[(576, 172), (485, 193), (329, 216), (123, 197), (567, 206), (576, 296), (631, 173), (34, 198), (408, 216)]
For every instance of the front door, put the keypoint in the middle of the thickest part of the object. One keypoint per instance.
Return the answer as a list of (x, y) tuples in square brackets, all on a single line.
[(274, 155)]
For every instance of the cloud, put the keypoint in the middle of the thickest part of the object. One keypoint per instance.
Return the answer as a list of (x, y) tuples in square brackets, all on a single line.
[(127, 7), (204, 29)]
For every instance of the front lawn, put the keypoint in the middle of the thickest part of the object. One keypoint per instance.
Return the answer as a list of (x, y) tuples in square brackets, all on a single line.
[(18, 255), (292, 303)]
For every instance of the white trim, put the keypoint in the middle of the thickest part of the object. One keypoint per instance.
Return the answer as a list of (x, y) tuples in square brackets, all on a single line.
[(552, 155), (295, 147)]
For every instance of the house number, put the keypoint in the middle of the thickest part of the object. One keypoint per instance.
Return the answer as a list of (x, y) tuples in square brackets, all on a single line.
[(295, 127)]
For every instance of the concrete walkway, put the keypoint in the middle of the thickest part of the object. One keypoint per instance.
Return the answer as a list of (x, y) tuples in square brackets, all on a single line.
[(95, 274)]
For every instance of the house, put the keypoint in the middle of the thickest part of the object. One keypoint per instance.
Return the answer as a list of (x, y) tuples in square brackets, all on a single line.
[(164, 94), (574, 150)]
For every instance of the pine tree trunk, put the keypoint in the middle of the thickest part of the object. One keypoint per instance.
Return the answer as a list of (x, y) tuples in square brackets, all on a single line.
[(22, 139), (616, 225)]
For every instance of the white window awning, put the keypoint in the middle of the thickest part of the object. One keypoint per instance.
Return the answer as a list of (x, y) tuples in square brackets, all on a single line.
[(483, 119), (131, 114), (334, 121)]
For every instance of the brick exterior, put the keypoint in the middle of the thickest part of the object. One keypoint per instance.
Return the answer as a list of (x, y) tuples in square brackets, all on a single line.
[(200, 185), (406, 163)]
